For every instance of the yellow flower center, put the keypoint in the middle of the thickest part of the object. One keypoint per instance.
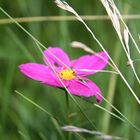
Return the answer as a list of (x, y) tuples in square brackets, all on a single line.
[(67, 74)]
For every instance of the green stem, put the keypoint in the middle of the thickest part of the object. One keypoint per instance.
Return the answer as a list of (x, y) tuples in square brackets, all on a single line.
[(67, 102), (111, 92), (67, 112)]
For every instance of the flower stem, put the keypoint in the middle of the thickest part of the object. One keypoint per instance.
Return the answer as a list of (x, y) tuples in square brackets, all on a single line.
[(67, 112), (67, 102)]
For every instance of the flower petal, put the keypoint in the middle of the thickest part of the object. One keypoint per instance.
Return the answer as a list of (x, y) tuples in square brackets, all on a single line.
[(56, 56), (41, 73), (89, 64), (86, 88)]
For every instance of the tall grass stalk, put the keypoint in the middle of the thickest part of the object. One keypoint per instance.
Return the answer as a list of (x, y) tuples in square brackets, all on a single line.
[(64, 35), (23, 135), (39, 44), (110, 106), (110, 113), (113, 13), (55, 120), (121, 18), (23, 48), (124, 117), (5, 21), (93, 125), (66, 7), (114, 66), (36, 105), (111, 90)]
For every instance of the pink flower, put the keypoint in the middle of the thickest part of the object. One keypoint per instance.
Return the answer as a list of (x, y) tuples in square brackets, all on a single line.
[(72, 73)]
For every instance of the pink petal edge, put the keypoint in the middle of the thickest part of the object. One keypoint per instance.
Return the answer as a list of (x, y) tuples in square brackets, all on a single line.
[(87, 89), (86, 65), (40, 73), (56, 56)]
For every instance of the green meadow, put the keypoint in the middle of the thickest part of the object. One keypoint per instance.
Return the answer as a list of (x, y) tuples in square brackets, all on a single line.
[(30, 110)]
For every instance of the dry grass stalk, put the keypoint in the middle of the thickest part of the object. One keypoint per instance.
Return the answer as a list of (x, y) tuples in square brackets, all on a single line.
[(66, 7), (115, 15), (71, 128)]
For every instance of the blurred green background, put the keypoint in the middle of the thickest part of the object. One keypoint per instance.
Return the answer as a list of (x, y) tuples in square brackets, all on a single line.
[(19, 119)]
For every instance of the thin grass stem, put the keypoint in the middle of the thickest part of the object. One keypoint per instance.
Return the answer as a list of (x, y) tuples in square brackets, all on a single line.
[(113, 13), (101, 71), (35, 104), (102, 108), (121, 18), (37, 41), (135, 127), (111, 91), (41, 108), (66, 7), (66, 18), (66, 88)]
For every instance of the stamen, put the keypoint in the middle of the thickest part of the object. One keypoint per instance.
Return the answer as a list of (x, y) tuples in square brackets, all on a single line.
[(67, 74)]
